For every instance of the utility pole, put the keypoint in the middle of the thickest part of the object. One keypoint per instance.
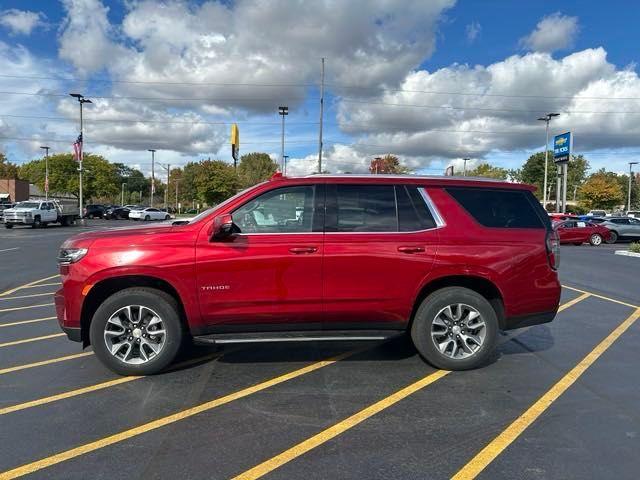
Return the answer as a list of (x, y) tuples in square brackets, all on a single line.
[(153, 175), (321, 115), (631, 164), (166, 192), (177, 204), (547, 118), (81, 100), (46, 172), (283, 111), (464, 170)]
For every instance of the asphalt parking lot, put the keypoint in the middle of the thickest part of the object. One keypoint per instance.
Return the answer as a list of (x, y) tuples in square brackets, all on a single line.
[(557, 401)]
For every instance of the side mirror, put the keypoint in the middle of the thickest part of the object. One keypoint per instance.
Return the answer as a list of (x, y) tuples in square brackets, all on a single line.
[(222, 227)]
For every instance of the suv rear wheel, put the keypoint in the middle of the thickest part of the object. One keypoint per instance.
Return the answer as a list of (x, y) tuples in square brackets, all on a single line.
[(455, 328), (136, 331)]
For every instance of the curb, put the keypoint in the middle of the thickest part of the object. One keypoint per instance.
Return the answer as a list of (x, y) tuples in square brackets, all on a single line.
[(627, 253)]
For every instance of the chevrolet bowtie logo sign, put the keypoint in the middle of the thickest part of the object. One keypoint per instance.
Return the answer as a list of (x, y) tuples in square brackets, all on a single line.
[(561, 141), (562, 145)]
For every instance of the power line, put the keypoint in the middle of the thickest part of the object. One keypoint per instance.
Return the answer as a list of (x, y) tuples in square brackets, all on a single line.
[(309, 85)]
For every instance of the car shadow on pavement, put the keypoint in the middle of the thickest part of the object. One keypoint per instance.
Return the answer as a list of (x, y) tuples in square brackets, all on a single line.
[(534, 339)]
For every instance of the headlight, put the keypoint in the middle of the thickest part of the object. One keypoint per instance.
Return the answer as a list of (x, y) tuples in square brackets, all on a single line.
[(71, 255)]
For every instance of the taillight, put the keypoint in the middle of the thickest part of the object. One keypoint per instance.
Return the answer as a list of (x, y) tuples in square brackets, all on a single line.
[(553, 249)]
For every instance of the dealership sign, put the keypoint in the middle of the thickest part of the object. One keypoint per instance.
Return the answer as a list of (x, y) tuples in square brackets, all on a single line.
[(562, 146)]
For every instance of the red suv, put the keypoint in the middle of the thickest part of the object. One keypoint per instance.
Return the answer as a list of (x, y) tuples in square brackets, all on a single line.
[(448, 260)]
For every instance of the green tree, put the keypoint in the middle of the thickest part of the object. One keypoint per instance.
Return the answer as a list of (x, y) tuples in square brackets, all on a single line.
[(387, 164), (489, 171), (216, 181), (532, 172), (255, 168), (7, 169), (601, 190)]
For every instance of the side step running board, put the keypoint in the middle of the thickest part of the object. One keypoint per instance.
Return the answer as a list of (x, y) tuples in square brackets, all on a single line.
[(333, 336)]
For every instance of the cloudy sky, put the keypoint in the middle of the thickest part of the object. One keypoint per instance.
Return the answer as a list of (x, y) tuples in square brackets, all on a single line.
[(430, 81)]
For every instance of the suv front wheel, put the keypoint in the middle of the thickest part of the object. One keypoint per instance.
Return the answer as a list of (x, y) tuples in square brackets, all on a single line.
[(136, 331), (455, 328)]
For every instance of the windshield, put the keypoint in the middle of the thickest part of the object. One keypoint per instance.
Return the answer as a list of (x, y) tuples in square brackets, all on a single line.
[(205, 213), (28, 205)]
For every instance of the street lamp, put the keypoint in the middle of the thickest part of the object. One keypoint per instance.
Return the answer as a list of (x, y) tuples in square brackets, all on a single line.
[(283, 111), (464, 171), (46, 172), (153, 174), (631, 164), (81, 101), (547, 118), (285, 157)]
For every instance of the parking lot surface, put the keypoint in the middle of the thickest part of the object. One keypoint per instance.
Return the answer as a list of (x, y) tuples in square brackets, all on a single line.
[(557, 401)]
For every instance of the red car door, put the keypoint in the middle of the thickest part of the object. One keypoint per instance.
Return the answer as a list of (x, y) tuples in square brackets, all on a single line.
[(380, 244), (270, 273)]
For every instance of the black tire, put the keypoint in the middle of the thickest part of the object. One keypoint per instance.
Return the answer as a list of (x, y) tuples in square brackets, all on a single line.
[(157, 300), (167, 217), (36, 222), (8, 225), (426, 314), (613, 237), (595, 239), (147, 218), (90, 216)]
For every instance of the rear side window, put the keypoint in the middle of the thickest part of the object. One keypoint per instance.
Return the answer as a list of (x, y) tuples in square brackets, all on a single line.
[(366, 208), (413, 213), (499, 208)]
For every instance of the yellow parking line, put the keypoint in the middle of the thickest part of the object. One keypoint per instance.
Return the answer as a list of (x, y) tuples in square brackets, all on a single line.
[(44, 362), (602, 297), (22, 322), (28, 285), (337, 429), (489, 453), (96, 387), (27, 296), (28, 340), (571, 303), (13, 309), (169, 419), (44, 285)]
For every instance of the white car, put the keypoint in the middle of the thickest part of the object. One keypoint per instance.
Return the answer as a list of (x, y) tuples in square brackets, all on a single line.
[(148, 213)]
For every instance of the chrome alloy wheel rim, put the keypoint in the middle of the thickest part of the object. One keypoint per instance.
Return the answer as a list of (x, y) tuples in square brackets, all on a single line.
[(596, 239), (458, 331), (135, 334)]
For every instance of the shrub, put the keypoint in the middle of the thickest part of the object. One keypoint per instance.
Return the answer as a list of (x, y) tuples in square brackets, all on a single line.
[(634, 247)]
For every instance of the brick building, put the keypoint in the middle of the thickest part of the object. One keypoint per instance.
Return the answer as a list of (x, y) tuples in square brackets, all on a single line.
[(13, 190)]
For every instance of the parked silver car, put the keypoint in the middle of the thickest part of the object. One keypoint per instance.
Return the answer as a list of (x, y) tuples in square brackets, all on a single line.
[(627, 228)]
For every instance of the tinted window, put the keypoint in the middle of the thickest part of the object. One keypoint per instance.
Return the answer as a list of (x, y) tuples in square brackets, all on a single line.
[(413, 213), (620, 221), (499, 208), (284, 210), (366, 208)]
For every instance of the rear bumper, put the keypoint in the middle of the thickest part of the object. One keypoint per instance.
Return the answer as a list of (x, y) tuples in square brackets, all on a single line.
[(529, 320)]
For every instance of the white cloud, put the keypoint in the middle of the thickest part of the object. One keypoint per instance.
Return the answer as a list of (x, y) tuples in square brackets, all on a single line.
[(472, 31), (553, 32), (459, 129), (21, 22)]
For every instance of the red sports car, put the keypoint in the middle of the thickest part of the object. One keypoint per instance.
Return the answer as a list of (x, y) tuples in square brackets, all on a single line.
[(579, 232)]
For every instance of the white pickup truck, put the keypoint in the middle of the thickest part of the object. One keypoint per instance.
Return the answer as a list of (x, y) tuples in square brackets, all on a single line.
[(39, 213)]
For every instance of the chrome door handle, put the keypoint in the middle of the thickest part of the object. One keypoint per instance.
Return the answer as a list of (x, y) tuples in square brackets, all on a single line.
[(302, 250), (411, 249)]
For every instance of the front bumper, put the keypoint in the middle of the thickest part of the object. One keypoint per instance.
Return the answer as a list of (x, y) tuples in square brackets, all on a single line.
[(73, 334)]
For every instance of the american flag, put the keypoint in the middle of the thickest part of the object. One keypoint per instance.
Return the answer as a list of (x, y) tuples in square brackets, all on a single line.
[(77, 149)]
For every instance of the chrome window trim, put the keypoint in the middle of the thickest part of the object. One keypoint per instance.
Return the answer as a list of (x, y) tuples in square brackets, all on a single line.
[(432, 208), (435, 213)]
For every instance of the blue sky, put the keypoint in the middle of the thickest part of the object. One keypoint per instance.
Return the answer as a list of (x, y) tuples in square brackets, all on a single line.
[(429, 81)]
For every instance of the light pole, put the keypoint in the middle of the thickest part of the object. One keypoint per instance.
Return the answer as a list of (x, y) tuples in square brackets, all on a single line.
[(81, 100), (464, 171), (177, 204), (122, 197), (631, 164), (153, 175), (283, 111), (547, 118), (285, 157), (46, 172), (166, 192)]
